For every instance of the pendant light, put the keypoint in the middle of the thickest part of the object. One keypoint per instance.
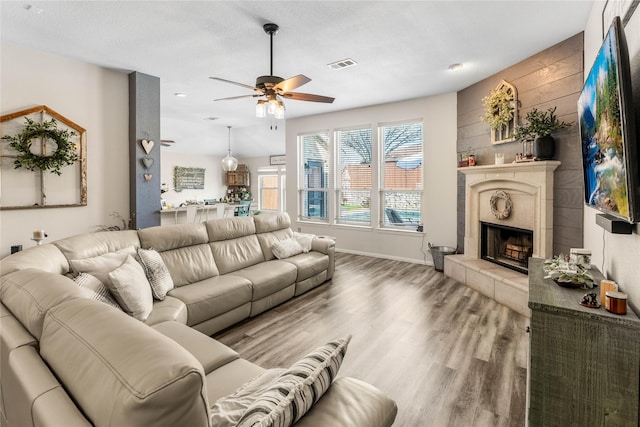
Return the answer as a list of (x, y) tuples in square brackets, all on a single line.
[(229, 163)]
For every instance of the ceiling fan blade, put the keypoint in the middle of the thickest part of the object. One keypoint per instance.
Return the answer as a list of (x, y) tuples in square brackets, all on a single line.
[(308, 97), (292, 83), (236, 83), (238, 97)]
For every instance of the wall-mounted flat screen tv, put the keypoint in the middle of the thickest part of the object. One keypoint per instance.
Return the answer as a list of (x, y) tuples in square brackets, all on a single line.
[(608, 132)]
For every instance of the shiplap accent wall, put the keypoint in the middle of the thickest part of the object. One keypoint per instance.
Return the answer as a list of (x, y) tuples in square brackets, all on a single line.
[(553, 77)]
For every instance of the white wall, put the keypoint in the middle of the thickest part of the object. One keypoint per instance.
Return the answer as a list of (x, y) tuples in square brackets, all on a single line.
[(214, 178), (618, 254), (98, 100), (440, 177)]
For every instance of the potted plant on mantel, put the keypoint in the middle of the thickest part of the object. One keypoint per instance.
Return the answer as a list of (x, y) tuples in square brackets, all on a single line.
[(540, 125)]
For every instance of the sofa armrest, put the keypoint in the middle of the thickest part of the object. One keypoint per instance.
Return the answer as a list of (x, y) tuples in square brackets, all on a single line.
[(351, 403), (326, 246), (323, 244)]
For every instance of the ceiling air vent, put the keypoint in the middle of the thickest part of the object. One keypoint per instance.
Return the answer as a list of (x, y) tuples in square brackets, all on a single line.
[(345, 63)]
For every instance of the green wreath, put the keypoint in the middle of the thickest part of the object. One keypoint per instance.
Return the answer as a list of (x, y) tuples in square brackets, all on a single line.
[(498, 108), (64, 155)]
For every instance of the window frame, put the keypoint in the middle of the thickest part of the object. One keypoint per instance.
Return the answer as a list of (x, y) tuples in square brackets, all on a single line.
[(321, 192), (404, 225), (337, 188)]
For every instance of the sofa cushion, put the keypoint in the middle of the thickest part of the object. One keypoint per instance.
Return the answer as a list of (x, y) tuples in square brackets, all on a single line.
[(96, 289), (83, 336), (234, 254), (286, 248), (228, 378), (23, 293), (268, 277), (169, 308), (272, 222), (350, 402), (190, 264), (156, 272), (174, 236), (297, 389), (210, 353), (231, 228), (131, 289), (33, 396), (211, 297), (309, 264), (101, 265), (94, 244)]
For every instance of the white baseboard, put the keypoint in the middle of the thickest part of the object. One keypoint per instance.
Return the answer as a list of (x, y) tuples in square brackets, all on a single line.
[(393, 258)]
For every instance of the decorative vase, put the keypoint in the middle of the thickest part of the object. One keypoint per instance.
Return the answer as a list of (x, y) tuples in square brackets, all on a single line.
[(544, 147)]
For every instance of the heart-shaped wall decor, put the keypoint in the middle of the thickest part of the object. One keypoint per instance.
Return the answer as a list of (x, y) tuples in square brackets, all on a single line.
[(147, 162), (147, 145), (147, 177)]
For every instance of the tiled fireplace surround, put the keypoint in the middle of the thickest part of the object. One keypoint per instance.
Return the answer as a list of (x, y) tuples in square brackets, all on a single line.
[(530, 188)]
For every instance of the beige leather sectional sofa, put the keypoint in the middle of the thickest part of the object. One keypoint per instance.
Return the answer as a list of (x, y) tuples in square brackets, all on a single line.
[(67, 360)]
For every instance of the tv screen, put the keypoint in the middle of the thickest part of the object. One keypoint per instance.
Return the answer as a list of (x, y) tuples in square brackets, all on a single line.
[(607, 131)]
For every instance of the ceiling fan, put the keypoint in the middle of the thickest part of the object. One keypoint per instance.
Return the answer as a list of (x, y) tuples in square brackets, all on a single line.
[(274, 88)]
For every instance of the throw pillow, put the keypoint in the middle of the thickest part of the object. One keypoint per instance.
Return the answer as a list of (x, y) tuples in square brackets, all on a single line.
[(286, 248), (227, 410), (157, 273), (298, 388), (305, 240), (100, 266), (95, 289), (131, 289)]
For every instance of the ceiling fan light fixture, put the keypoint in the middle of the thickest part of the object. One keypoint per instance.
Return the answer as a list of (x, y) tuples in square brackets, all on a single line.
[(229, 163), (273, 105), (261, 110), (273, 88), (279, 114)]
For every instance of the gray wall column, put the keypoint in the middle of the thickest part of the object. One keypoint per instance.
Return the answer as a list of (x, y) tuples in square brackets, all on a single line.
[(144, 168)]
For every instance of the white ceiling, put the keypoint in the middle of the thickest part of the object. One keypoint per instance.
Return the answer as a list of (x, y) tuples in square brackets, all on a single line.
[(403, 50)]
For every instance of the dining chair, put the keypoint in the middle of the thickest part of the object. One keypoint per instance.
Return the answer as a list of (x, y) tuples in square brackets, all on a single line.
[(221, 210), (192, 213), (242, 210)]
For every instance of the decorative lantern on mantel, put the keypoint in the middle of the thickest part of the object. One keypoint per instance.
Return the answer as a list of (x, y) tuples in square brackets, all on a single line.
[(501, 112)]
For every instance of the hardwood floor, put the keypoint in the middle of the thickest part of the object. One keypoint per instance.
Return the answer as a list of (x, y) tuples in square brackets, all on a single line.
[(446, 354)]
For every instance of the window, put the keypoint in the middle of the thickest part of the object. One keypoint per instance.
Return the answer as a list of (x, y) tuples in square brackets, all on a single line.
[(401, 175), (353, 175), (314, 176), (271, 188)]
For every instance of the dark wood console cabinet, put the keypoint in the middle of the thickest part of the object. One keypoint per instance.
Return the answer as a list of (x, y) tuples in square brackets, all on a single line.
[(584, 363)]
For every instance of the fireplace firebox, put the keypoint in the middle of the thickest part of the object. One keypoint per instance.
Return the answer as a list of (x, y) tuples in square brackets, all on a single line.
[(507, 246)]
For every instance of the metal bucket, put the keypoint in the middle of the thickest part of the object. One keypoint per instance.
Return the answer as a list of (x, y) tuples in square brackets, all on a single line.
[(438, 253)]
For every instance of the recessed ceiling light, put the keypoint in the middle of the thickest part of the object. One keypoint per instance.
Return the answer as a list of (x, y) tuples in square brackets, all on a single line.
[(180, 94), (454, 67), (344, 63)]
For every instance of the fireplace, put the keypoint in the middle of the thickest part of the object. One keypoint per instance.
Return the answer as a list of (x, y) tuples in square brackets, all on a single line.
[(511, 207), (510, 247)]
